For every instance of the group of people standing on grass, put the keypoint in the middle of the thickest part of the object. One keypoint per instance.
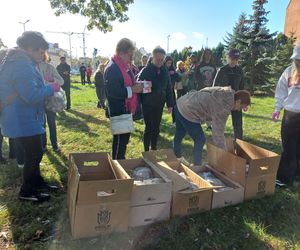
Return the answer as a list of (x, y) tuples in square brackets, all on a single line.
[(197, 93), (189, 92), (193, 92)]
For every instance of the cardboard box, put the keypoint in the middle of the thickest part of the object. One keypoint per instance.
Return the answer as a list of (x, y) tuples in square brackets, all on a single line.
[(184, 201), (149, 203), (98, 202), (223, 198), (251, 166)]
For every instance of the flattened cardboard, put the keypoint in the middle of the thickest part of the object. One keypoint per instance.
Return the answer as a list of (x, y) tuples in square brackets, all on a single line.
[(148, 214), (187, 201), (147, 194), (260, 178), (93, 184)]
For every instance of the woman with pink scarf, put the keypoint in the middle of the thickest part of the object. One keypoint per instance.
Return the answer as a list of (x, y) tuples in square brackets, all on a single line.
[(121, 91)]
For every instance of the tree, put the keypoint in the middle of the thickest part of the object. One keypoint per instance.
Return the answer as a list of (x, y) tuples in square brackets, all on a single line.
[(283, 49), (101, 13), (218, 54), (232, 40), (256, 41)]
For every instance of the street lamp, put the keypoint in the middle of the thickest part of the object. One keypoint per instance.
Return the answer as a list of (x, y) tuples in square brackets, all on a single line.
[(168, 38), (23, 23)]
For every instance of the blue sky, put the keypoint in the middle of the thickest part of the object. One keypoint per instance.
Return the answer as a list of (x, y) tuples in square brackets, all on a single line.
[(189, 23)]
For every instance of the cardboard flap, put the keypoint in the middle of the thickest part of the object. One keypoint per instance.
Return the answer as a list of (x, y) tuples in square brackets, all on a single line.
[(252, 152), (73, 183), (93, 163), (119, 170), (166, 155), (179, 183), (104, 191), (227, 163)]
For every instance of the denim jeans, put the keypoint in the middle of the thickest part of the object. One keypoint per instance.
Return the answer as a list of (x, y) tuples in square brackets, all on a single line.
[(51, 120), (194, 130)]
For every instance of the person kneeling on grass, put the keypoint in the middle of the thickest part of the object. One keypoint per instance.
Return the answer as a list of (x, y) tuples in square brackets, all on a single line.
[(209, 104)]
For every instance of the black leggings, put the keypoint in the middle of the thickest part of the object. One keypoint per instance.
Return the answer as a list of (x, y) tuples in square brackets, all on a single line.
[(152, 119), (33, 154), (290, 139), (119, 146)]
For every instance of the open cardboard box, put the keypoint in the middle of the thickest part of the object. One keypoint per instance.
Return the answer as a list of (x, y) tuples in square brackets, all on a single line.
[(98, 201), (149, 203), (251, 166), (227, 197), (184, 201)]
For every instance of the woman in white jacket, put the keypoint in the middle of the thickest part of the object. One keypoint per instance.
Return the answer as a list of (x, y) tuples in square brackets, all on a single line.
[(287, 97), (50, 76)]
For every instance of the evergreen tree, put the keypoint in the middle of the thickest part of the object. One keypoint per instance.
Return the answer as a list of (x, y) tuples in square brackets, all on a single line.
[(175, 56), (232, 40), (283, 49), (257, 53), (218, 54)]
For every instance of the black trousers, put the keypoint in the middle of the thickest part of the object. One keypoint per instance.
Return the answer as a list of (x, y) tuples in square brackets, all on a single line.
[(152, 119), (67, 88), (119, 146), (100, 91), (33, 154), (82, 76), (237, 123), (290, 139)]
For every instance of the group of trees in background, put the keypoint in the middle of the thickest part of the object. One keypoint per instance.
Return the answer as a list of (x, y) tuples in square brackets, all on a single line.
[(264, 55)]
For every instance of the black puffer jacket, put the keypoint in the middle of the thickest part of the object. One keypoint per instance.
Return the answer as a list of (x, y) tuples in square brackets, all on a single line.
[(161, 86)]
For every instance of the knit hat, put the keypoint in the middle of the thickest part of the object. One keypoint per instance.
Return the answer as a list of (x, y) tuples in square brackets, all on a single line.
[(296, 52)]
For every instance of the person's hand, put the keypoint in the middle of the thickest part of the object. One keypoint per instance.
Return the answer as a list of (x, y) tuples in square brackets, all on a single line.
[(275, 115), (66, 73), (245, 109), (137, 88), (55, 87), (170, 109)]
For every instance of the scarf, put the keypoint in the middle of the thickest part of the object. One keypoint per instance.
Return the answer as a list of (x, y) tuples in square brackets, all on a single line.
[(130, 103)]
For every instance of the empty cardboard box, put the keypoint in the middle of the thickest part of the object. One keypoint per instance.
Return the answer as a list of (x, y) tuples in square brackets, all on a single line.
[(251, 166), (98, 202), (149, 203), (185, 201)]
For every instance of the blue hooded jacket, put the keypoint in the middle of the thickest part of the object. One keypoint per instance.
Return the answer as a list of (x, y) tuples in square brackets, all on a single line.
[(24, 116)]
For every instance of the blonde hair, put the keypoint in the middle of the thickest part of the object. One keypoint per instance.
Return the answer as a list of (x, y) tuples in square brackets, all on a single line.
[(295, 74), (179, 63)]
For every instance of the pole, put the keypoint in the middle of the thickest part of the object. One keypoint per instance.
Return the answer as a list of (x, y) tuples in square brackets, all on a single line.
[(23, 23), (168, 38), (83, 43), (70, 46)]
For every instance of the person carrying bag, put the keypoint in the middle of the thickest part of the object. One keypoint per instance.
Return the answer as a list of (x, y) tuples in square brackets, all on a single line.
[(121, 96)]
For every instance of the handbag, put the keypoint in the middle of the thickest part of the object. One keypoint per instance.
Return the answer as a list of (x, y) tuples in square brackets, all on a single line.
[(121, 124)]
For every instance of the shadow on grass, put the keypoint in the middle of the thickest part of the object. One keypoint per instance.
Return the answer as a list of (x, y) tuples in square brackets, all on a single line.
[(89, 118), (72, 123), (257, 116)]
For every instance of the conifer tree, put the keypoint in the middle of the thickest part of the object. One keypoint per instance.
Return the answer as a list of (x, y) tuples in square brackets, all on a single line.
[(283, 49), (257, 53)]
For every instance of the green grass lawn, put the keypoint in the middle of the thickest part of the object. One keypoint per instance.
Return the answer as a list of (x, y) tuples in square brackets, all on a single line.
[(268, 223)]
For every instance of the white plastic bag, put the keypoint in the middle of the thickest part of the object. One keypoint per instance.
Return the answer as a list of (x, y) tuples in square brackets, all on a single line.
[(57, 102)]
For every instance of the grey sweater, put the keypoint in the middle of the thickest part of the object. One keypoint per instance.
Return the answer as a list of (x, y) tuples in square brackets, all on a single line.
[(209, 104)]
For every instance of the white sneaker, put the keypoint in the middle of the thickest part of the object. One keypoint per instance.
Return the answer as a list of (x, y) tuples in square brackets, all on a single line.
[(20, 165)]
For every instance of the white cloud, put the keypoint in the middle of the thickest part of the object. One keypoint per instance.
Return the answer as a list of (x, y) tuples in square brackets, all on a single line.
[(198, 35), (178, 36)]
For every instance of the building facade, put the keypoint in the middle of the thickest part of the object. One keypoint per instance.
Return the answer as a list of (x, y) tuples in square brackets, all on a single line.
[(292, 19)]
